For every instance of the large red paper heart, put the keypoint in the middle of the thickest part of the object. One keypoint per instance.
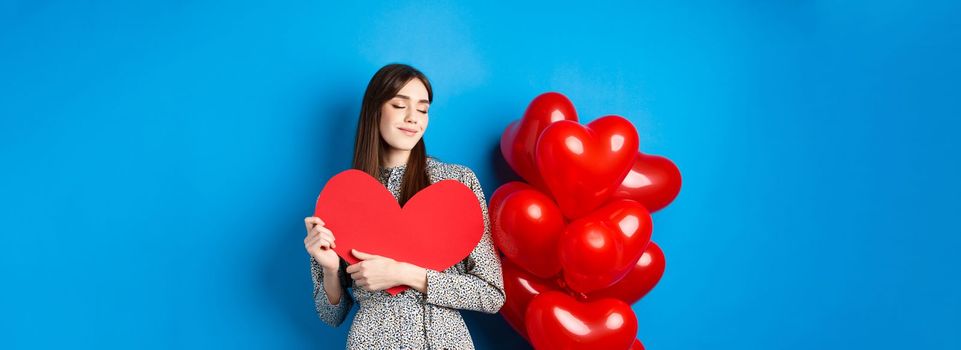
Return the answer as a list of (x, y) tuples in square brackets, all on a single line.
[(437, 228), (557, 321), (583, 165), (520, 137), (526, 226)]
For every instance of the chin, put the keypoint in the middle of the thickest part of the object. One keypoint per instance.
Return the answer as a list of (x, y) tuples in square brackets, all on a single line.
[(404, 147)]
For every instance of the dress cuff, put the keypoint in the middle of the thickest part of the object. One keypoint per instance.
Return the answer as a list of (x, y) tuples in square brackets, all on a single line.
[(433, 277)]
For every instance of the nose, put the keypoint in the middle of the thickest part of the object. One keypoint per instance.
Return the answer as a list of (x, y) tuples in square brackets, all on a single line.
[(410, 117)]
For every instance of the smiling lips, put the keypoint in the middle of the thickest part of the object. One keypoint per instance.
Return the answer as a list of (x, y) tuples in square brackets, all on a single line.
[(408, 132)]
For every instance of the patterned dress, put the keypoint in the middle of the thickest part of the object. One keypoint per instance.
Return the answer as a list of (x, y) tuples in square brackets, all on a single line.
[(411, 319)]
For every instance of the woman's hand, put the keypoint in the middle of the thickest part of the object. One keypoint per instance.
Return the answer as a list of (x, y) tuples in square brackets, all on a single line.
[(319, 242), (375, 272)]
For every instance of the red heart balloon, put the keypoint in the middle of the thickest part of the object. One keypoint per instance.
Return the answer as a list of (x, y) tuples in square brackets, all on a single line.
[(654, 181), (557, 321), (520, 288), (639, 281), (520, 138), (437, 228), (526, 226), (501, 192), (637, 345), (583, 165), (601, 248)]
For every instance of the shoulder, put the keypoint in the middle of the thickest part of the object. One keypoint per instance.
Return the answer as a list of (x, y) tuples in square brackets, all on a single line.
[(442, 170)]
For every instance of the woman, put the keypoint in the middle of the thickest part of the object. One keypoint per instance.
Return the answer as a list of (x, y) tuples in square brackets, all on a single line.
[(389, 145)]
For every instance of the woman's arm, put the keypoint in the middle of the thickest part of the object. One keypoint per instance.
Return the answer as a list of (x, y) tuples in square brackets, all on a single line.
[(332, 287), (331, 299), (414, 276), (481, 288)]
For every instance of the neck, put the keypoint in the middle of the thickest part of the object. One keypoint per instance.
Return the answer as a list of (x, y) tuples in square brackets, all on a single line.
[(395, 157)]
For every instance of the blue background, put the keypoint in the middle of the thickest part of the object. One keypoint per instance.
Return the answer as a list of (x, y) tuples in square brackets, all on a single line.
[(158, 159)]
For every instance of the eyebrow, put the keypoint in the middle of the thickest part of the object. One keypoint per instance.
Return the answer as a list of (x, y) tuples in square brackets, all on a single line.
[(408, 98)]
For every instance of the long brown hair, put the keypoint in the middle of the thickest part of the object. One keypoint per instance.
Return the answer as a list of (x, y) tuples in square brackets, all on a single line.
[(369, 145)]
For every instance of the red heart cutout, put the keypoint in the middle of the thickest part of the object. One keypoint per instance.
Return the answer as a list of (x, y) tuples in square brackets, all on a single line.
[(520, 137), (654, 181), (526, 226), (437, 228), (583, 165), (599, 249), (557, 321), (639, 281)]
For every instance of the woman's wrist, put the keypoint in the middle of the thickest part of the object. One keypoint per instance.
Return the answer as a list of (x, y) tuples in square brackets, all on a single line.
[(329, 271), (413, 276)]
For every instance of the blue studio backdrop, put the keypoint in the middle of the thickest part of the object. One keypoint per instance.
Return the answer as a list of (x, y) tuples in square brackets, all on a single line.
[(158, 158)]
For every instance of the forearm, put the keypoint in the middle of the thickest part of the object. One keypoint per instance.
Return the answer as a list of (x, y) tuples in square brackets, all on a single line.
[(331, 301), (413, 276), (465, 291), (332, 286)]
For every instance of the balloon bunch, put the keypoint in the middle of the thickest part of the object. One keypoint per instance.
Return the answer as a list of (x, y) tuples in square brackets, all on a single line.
[(576, 237)]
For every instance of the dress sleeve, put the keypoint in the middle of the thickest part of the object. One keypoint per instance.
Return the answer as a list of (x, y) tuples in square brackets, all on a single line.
[(481, 288), (331, 314)]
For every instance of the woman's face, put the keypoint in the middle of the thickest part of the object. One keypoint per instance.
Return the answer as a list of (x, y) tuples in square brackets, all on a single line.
[(403, 119)]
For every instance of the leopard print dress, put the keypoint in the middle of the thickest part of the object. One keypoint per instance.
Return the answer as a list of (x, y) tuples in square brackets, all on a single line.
[(411, 319)]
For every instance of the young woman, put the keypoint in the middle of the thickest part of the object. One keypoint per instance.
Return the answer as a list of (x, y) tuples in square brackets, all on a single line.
[(389, 145)]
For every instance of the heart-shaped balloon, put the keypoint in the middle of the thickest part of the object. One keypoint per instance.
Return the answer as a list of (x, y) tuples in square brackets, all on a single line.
[(654, 181), (639, 281), (526, 226), (520, 288), (520, 138), (599, 249), (557, 321), (583, 165), (501, 192), (437, 228)]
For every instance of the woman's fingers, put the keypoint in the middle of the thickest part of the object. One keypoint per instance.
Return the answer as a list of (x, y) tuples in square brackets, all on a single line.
[(358, 276), (324, 244), (310, 241), (320, 229), (314, 220), (351, 269), (311, 221), (329, 237), (325, 233), (318, 236), (318, 242)]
